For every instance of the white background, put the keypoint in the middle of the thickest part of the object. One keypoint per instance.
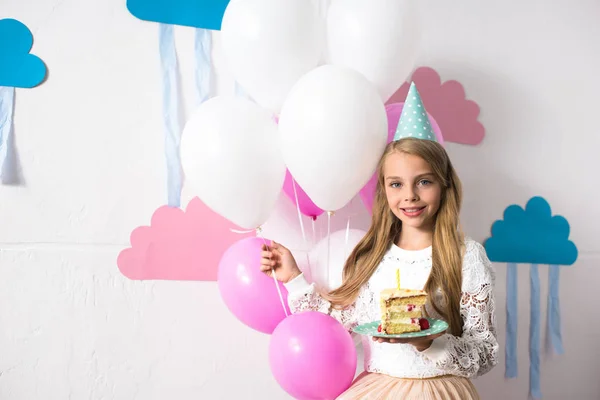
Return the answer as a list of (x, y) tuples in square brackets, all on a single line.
[(90, 147)]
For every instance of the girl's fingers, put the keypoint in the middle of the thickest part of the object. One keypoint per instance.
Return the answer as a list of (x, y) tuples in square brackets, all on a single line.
[(266, 254), (265, 268), (268, 261), (266, 264)]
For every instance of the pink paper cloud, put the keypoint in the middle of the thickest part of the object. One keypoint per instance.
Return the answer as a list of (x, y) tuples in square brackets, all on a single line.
[(447, 103), (178, 245)]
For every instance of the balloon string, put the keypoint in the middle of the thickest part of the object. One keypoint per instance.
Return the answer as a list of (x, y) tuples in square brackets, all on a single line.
[(259, 234), (329, 213), (299, 212), (314, 229), (347, 239), (302, 226)]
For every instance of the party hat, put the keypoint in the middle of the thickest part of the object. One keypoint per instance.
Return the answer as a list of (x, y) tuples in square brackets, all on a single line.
[(414, 121)]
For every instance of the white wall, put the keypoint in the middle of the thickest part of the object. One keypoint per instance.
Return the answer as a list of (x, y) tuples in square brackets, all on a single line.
[(90, 147)]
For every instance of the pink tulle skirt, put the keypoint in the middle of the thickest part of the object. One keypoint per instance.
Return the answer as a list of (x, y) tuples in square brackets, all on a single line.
[(372, 386)]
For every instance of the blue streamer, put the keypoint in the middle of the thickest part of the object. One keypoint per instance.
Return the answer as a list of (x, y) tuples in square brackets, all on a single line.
[(554, 331), (203, 72), (534, 333), (171, 112), (511, 370), (7, 104)]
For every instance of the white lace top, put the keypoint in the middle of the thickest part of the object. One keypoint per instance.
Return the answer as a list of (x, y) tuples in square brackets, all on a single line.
[(472, 354)]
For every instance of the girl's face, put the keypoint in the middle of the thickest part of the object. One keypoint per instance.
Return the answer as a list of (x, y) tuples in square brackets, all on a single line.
[(413, 193)]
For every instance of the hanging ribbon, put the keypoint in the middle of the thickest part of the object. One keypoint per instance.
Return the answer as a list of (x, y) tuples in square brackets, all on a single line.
[(171, 113), (7, 104), (511, 369), (534, 333), (203, 67), (553, 326)]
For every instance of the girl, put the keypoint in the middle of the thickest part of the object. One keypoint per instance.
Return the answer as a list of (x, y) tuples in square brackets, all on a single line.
[(415, 228)]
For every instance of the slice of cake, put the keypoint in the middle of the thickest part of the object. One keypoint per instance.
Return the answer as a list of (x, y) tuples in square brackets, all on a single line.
[(402, 311)]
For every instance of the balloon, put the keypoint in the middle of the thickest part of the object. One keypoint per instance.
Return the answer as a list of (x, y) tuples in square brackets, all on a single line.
[(312, 356), (394, 110), (231, 158), (333, 130), (306, 205), (329, 275), (378, 38), (269, 44), (247, 292)]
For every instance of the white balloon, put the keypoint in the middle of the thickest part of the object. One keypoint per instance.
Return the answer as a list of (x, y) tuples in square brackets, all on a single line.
[(230, 157), (333, 129), (329, 275), (270, 44), (378, 38)]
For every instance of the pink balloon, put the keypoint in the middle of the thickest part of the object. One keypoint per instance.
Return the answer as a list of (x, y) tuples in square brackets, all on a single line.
[(312, 356), (394, 110), (307, 207), (248, 293)]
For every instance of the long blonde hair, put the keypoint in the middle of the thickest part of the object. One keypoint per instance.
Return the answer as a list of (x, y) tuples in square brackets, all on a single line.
[(448, 241)]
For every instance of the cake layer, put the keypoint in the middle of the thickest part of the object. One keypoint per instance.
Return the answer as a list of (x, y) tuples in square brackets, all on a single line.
[(415, 301), (387, 294), (393, 315), (405, 308), (402, 325)]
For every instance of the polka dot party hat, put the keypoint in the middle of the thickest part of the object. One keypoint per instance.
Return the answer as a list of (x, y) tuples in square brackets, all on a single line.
[(414, 121)]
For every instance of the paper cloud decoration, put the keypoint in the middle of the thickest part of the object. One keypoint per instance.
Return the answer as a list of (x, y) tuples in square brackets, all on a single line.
[(531, 235), (178, 245), (447, 103), (206, 14), (18, 68)]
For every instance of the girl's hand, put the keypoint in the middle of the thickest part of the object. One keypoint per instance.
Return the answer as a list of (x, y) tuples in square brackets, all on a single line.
[(278, 258), (420, 344)]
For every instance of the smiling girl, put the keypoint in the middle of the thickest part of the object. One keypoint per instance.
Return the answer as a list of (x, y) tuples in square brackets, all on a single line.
[(415, 227)]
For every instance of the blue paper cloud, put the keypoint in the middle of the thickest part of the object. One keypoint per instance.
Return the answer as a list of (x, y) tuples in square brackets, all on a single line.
[(531, 235), (18, 68), (206, 14)]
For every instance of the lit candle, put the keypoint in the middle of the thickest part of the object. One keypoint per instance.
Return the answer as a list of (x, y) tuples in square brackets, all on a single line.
[(398, 278)]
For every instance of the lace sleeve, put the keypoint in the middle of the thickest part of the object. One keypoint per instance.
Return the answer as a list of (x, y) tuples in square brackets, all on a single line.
[(476, 351), (303, 296)]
